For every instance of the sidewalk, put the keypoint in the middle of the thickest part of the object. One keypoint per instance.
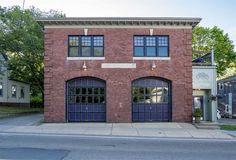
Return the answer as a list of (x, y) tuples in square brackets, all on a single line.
[(166, 130)]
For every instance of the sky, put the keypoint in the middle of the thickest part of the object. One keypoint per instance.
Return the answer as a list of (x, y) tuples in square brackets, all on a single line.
[(221, 13)]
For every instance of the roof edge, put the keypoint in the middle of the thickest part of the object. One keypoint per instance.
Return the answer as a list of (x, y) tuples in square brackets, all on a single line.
[(187, 21)]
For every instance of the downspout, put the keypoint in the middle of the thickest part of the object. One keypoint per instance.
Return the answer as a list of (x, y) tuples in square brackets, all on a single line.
[(214, 89)]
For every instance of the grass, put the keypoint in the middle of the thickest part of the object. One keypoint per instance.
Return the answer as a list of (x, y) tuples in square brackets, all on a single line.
[(228, 127), (19, 110)]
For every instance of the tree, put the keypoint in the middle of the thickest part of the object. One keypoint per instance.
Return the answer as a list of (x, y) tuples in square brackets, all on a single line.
[(21, 38), (204, 39)]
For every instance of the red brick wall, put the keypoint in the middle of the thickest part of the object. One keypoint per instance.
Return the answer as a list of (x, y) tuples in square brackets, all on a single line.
[(118, 48)]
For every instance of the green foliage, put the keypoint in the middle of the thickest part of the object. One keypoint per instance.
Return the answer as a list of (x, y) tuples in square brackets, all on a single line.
[(204, 39), (36, 99), (19, 110), (228, 127), (197, 112), (21, 38)]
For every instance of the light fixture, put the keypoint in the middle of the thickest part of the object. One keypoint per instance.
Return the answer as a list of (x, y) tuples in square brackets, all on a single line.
[(85, 31), (84, 66), (151, 32), (153, 66)]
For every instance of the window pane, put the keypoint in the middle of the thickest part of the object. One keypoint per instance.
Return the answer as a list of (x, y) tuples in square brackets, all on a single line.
[(77, 99), (163, 51), (135, 99), (1, 89), (98, 51), (102, 90), (78, 90), (138, 41), (151, 90), (71, 90), (165, 90), (90, 99), (151, 51), (148, 99), (141, 99), (13, 91), (162, 99), (96, 90), (163, 41), (86, 41), (71, 99), (73, 40), (85, 51), (159, 90), (90, 91), (22, 92), (102, 99), (150, 41), (83, 99), (141, 90), (139, 51), (73, 52), (98, 41), (135, 91), (84, 91), (153, 99), (96, 99)]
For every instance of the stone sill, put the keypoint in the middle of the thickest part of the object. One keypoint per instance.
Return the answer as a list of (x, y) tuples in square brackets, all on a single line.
[(151, 58), (85, 58)]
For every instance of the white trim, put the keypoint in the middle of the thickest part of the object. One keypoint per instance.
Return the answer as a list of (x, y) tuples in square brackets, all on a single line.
[(85, 58), (118, 65), (118, 26), (151, 58)]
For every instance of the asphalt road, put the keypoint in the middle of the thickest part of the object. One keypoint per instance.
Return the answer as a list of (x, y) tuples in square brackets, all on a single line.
[(68, 147)]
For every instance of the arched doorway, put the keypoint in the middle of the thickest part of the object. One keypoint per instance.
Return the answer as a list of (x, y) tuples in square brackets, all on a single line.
[(86, 100), (151, 100)]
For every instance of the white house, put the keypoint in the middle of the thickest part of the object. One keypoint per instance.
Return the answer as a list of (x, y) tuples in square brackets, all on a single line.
[(205, 86), (12, 92)]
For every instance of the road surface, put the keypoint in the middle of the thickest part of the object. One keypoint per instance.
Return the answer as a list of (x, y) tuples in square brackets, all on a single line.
[(70, 147)]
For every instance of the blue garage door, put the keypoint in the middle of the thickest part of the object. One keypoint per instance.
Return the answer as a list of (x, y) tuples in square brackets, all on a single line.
[(86, 100), (151, 100)]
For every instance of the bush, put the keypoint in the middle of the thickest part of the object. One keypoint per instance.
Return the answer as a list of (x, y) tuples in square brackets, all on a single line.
[(36, 101), (197, 112)]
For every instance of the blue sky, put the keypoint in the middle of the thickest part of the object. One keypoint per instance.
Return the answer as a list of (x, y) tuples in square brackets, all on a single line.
[(221, 13)]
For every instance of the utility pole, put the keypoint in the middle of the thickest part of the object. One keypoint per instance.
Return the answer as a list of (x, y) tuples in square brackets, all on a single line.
[(23, 7)]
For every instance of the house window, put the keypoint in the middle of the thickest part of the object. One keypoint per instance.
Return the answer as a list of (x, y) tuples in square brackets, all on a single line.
[(13, 91), (1, 89), (22, 92), (73, 46), (151, 46), (86, 46)]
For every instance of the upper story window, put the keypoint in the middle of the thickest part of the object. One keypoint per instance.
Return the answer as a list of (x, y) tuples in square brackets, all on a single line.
[(151, 46), (86, 46), (13, 91), (1, 89)]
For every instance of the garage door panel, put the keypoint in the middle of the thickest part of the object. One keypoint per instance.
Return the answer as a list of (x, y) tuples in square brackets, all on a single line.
[(72, 116), (135, 116), (86, 100), (135, 108), (153, 116), (141, 107), (150, 100), (72, 108)]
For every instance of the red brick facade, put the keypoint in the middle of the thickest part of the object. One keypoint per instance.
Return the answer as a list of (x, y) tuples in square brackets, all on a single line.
[(118, 48)]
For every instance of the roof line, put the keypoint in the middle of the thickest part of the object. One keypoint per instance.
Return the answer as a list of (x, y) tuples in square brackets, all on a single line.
[(190, 21)]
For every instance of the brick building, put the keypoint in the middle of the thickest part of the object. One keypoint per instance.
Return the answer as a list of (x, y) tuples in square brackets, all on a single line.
[(118, 69)]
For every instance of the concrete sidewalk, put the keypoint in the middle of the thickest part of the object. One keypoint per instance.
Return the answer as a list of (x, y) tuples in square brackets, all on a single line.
[(167, 130)]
